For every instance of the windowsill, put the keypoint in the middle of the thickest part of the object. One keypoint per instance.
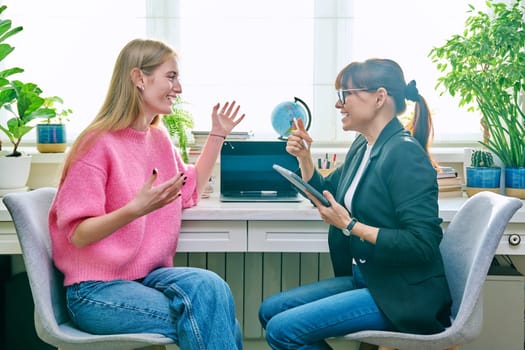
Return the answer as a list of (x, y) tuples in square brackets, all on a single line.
[(440, 154), (39, 158)]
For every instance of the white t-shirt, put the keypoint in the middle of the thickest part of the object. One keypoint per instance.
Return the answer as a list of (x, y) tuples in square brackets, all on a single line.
[(351, 190)]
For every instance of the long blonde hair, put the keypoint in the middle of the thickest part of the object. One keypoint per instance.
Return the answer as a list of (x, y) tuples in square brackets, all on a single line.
[(123, 103)]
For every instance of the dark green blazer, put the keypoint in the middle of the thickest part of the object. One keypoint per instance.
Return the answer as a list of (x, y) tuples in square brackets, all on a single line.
[(398, 194)]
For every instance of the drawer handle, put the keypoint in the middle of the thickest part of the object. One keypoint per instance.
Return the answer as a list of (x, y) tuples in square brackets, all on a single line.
[(514, 239)]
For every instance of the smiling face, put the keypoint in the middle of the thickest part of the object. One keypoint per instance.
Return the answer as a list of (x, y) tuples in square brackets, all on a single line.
[(161, 87), (357, 109)]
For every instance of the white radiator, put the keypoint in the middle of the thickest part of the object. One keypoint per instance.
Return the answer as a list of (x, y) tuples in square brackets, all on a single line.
[(255, 276)]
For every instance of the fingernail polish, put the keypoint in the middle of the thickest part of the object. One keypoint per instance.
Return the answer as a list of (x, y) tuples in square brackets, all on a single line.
[(154, 171)]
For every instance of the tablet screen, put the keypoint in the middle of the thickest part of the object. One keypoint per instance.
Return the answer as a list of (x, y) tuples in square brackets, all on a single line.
[(300, 184)]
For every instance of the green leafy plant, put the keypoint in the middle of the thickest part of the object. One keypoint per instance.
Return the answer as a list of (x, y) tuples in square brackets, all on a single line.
[(485, 67), (22, 100), (179, 124), (481, 158), (25, 104), (61, 115)]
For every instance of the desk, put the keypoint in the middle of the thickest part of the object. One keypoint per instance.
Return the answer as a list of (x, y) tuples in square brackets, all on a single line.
[(214, 226), (263, 248)]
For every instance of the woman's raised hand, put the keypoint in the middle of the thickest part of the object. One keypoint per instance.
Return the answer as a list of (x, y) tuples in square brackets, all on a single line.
[(298, 143), (224, 119)]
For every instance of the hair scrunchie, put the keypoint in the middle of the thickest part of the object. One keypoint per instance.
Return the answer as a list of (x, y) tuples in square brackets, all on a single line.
[(411, 92)]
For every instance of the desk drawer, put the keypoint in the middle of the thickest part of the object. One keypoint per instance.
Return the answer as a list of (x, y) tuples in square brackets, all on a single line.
[(513, 240), (287, 236), (8, 239), (212, 236)]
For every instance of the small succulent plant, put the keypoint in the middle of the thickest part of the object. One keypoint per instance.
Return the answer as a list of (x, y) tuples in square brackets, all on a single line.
[(481, 158)]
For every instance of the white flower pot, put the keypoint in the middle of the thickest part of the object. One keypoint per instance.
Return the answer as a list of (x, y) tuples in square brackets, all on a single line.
[(14, 172)]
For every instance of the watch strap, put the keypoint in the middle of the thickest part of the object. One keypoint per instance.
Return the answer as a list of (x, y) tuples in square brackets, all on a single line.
[(347, 231), (351, 225)]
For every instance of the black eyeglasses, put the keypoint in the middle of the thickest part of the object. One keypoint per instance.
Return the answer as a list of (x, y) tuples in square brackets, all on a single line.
[(344, 93)]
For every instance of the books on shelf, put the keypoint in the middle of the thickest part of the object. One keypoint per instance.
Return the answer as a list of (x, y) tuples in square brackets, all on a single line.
[(234, 135), (451, 194), (446, 172), (449, 183), (201, 136)]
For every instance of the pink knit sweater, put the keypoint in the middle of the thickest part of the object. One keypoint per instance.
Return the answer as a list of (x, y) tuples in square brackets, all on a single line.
[(105, 178)]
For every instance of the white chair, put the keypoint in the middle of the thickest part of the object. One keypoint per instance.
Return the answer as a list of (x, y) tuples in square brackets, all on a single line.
[(468, 247), (29, 212)]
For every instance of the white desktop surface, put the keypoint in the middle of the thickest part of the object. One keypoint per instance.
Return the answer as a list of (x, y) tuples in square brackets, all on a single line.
[(215, 226), (213, 209)]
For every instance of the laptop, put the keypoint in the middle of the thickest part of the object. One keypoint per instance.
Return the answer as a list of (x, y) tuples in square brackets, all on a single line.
[(247, 174)]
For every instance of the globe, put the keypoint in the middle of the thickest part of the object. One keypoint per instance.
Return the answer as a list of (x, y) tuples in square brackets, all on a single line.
[(284, 113)]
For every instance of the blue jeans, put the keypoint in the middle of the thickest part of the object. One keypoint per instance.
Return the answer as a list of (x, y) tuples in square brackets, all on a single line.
[(194, 307), (303, 317)]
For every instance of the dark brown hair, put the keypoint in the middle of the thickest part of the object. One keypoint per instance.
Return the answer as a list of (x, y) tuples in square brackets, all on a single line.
[(375, 73)]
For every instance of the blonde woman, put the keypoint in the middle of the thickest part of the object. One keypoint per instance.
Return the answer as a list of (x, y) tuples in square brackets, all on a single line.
[(115, 220)]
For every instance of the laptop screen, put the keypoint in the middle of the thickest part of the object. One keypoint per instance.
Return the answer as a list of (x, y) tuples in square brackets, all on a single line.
[(246, 168)]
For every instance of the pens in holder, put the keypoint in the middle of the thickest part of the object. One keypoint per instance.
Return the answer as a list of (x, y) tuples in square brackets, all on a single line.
[(297, 127)]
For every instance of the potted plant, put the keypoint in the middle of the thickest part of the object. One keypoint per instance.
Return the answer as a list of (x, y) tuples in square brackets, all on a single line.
[(23, 104), (482, 174), (51, 132), (485, 67), (179, 124)]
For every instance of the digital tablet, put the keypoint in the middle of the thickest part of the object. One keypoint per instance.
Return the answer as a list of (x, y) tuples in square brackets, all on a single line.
[(300, 184)]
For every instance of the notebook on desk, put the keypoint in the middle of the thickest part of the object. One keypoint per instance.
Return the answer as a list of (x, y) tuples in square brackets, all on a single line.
[(247, 174)]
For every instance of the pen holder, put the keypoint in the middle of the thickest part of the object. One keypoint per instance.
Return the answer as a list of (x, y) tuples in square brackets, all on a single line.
[(325, 172)]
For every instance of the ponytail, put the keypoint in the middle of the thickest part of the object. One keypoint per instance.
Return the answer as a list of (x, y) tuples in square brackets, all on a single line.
[(420, 126)]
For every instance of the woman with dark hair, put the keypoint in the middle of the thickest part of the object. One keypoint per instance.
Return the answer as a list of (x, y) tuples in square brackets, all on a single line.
[(117, 214), (384, 226)]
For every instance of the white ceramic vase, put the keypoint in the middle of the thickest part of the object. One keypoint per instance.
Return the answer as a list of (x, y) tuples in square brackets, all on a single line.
[(14, 173)]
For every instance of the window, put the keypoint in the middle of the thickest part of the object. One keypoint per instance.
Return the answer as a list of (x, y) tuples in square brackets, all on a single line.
[(247, 51), (407, 37), (263, 53), (257, 52), (69, 47)]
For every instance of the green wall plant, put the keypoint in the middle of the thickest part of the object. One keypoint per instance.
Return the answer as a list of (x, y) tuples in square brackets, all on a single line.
[(485, 67)]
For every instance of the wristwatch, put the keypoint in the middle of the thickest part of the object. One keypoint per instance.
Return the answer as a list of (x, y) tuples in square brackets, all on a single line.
[(347, 231)]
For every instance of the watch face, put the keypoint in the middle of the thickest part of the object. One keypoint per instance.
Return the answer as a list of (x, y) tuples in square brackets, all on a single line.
[(346, 232)]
